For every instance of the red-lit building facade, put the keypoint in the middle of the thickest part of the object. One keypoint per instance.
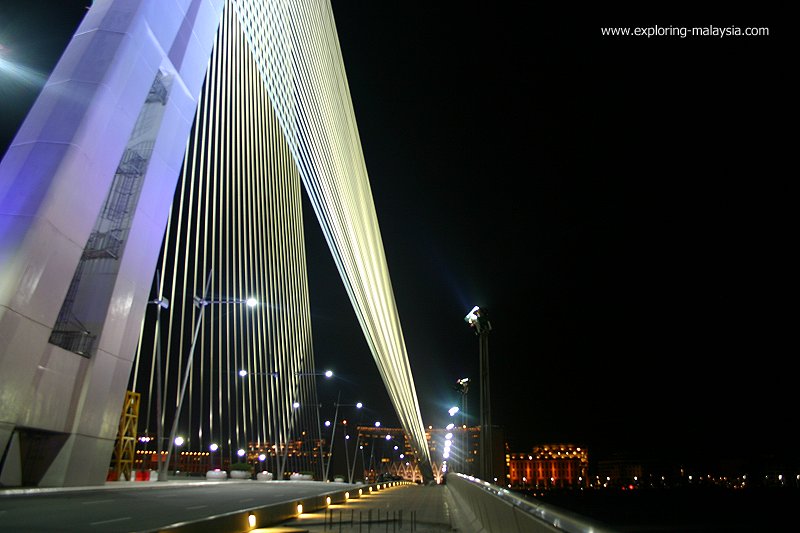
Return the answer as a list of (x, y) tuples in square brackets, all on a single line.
[(548, 466)]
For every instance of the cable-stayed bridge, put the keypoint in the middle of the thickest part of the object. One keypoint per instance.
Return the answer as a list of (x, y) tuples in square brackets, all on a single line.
[(154, 187)]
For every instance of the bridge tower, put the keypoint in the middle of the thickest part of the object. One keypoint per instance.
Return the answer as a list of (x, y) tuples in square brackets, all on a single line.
[(85, 193)]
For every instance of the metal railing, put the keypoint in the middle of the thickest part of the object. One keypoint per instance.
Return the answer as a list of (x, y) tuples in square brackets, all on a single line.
[(493, 509)]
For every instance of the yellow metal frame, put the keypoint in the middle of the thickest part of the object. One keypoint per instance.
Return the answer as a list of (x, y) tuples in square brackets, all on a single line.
[(125, 447)]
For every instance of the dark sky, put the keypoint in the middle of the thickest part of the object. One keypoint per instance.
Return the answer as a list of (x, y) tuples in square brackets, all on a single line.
[(622, 207)]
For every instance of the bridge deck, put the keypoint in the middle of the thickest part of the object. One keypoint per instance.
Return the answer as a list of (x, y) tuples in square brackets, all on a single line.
[(194, 505)]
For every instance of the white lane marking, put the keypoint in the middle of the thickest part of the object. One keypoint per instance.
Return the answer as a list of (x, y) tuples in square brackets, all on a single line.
[(96, 501), (197, 506), (109, 521)]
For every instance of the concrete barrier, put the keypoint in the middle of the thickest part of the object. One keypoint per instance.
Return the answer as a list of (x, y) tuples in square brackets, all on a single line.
[(487, 508), (271, 515)]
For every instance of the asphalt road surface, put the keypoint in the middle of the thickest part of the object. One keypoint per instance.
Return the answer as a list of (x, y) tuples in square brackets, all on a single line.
[(142, 506)]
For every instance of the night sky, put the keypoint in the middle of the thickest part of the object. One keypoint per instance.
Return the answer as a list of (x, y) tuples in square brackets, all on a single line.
[(622, 207)]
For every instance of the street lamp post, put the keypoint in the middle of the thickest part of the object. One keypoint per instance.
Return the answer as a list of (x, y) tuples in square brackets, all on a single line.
[(200, 303), (351, 471), (327, 465), (160, 303), (462, 386), (213, 447), (372, 450), (295, 406), (177, 441), (359, 405), (243, 374), (478, 320), (328, 374), (363, 464)]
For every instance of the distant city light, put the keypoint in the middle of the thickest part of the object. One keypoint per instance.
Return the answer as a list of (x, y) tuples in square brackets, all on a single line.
[(178, 441)]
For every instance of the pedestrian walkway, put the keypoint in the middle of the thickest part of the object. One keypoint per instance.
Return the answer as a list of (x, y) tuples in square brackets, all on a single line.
[(404, 508)]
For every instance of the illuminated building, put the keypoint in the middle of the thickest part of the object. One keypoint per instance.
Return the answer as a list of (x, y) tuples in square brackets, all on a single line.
[(549, 466)]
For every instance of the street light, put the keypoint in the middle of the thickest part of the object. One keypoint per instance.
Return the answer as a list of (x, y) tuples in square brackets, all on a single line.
[(478, 320), (178, 441), (295, 407), (244, 373), (201, 304), (160, 303), (358, 405), (462, 386), (261, 458), (213, 447), (352, 470), (327, 373)]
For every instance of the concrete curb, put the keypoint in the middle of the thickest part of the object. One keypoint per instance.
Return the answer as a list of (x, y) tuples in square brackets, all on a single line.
[(270, 515)]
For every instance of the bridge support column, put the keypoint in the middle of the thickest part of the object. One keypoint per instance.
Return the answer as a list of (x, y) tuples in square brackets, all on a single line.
[(62, 377)]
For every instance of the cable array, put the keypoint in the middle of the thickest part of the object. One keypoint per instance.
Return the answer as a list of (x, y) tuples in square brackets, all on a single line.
[(237, 214), (275, 110), (297, 51)]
